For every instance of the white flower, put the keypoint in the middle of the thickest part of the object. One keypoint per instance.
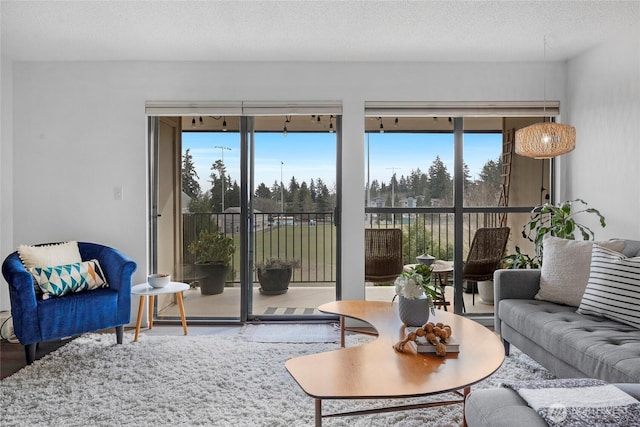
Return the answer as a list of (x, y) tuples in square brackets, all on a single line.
[(409, 286)]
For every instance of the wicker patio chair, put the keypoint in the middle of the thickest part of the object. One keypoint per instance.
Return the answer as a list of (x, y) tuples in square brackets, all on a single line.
[(383, 254), (487, 249)]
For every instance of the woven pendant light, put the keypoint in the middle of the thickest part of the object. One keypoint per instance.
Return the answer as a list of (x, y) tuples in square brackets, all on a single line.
[(545, 140)]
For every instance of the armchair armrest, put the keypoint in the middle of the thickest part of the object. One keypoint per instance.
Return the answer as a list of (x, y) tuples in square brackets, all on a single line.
[(24, 307), (513, 284), (20, 282), (117, 267)]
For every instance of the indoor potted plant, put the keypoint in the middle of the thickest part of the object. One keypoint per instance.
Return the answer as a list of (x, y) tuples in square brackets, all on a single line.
[(274, 275), (557, 220), (416, 292), (213, 253)]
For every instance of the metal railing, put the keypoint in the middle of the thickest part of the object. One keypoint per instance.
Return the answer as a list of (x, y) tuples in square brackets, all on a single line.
[(310, 237)]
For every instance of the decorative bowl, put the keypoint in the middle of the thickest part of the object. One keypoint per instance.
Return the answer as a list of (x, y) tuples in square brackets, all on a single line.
[(158, 280), (426, 259)]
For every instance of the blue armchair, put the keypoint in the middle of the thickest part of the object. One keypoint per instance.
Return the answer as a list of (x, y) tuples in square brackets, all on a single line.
[(36, 319)]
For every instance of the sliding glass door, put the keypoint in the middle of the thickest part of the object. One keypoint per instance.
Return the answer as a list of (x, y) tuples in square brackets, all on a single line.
[(264, 186), (439, 179)]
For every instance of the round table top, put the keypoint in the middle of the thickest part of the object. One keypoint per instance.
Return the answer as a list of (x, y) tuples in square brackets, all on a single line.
[(438, 266), (171, 288)]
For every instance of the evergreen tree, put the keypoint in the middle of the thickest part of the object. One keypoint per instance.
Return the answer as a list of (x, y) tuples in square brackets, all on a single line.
[(403, 186), (190, 184), (323, 198), (293, 189), (262, 192), (491, 174), (218, 185), (202, 203), (440, 184), (313, 190)]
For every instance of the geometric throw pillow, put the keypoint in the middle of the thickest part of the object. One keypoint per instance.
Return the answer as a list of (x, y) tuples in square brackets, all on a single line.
[(64, 279), (565, 268), (613, 290)]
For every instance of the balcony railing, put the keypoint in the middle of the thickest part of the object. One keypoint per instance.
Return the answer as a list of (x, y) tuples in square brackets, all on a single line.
[(311, 238)]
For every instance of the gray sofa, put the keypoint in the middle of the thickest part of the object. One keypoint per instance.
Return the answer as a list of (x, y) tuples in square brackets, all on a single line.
[(565, 342), (568, 344)]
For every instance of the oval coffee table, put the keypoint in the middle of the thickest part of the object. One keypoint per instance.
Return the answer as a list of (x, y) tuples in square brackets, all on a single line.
[(376, 371)]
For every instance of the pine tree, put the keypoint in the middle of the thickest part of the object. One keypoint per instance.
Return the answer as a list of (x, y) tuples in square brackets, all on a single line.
[(190, 184), (440, 184)]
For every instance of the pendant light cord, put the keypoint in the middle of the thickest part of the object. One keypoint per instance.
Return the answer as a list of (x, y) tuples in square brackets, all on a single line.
[(544, 76)]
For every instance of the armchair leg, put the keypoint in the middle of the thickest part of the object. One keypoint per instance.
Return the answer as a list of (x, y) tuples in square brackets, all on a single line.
[(30, 352), (507, 347), (119, 333)]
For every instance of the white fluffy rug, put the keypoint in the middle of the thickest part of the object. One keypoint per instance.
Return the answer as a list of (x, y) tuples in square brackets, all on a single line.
[(291, 333), (195, 380)]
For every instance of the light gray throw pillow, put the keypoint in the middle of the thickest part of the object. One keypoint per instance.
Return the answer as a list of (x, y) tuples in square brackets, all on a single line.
[(565, 268)]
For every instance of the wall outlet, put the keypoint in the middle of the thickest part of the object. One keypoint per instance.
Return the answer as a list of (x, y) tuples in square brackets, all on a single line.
[(118, 192)]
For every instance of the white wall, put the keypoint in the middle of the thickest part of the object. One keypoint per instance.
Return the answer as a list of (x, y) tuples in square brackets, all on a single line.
[(604, 106), (79, 130), (6, 170)]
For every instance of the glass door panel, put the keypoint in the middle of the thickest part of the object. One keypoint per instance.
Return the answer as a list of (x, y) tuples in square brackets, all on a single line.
[(293, 199), (211, 215), (409, 185)]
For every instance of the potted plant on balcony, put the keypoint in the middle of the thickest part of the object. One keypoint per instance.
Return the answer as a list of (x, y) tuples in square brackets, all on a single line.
[(274, 275), (213, 253)]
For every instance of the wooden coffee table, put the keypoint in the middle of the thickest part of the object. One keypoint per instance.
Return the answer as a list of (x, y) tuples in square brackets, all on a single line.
[(376, 371)]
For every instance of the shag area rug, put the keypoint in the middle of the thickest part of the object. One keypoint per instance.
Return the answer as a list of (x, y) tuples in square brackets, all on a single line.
[(293, 333), (198, 380)]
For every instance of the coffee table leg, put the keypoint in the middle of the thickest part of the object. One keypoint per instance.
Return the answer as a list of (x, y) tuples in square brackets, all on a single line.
[(181, 306), (318, 412), (341, 331), (140, 307)]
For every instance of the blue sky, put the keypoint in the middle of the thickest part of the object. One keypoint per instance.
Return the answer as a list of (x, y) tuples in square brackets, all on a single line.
[(312, 155)]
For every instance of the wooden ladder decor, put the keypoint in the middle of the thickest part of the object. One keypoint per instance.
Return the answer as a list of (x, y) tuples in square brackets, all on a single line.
[(507, 155)]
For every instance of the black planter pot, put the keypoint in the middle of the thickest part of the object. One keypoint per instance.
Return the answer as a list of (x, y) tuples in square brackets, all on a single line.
[(213, 279), (274, 281)]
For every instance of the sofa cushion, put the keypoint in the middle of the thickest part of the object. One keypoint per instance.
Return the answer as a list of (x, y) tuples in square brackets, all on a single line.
[(499, 407), (504, 407), (565, 268), (613, 290), (64, 279), (599, 347)]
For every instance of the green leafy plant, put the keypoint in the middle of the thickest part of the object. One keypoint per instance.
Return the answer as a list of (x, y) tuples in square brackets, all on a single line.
[(557, 220), (272, 263), (520, 260), (212, 248)]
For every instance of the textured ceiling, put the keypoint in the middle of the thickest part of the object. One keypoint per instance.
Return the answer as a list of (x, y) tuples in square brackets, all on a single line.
[(310, 30)]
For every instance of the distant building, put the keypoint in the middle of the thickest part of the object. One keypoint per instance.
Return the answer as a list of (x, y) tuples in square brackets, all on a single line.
[(229, 223)]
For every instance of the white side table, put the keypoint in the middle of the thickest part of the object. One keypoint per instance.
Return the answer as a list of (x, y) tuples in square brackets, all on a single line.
[(145, 290)]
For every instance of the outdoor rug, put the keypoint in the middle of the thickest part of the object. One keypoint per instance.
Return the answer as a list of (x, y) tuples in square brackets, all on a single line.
[(197, 380), (291, 333)]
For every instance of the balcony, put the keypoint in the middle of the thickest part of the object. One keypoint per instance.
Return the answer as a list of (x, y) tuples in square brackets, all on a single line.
[(311, 238)]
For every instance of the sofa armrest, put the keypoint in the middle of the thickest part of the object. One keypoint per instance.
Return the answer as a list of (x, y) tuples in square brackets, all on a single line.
[(513, 284)]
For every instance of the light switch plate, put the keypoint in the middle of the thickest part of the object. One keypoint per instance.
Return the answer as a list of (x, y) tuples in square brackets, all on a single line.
[(117, 192)]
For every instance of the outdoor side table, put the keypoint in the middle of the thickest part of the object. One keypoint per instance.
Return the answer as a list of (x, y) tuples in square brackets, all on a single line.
[(146, 290)]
